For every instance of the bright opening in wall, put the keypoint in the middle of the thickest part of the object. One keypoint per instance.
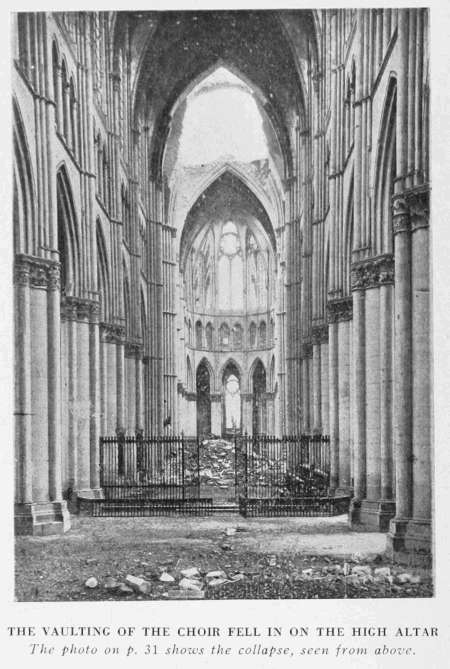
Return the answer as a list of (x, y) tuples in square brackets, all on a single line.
[(221, 119)]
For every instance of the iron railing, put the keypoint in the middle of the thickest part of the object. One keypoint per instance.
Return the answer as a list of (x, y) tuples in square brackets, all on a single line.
[(283, 467), (150, 468)]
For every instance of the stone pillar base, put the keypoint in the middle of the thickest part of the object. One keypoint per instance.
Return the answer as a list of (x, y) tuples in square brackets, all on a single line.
[(41, 518), (409, 541), (84, 499), (371, 516)]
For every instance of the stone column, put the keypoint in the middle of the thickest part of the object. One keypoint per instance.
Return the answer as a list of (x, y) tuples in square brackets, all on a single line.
[(22, 375), (306, 353), (339, 311), (95, 408), (120, 380), (333, 367), (421, 362), (373, 453), (39, 391), (386, 332), (371, 281), (317, 385), (410, 531), (325, 384), (83, 399), (72, 395), (402, 400), (54, 381), (139, 392), (41, 509), (359, 384), (103, 381), (111, 367), (344, 485)]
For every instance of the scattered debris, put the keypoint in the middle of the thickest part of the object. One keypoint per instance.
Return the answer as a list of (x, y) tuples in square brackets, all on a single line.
[(110, 583)]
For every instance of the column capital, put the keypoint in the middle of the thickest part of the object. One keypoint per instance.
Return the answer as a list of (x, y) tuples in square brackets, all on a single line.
[(410, 209), (320, 334), (37, 272), (373, 272), (79, 309), (133, 349), (340, 309), (112, 333)]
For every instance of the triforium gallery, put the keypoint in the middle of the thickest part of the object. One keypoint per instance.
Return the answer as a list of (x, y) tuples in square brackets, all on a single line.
[(176, 272)]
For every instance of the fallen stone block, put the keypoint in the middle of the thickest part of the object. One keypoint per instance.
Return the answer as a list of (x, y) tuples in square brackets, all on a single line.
[(91, 582), (124, 589), (189, 584), (215, 574), (190, 572), (138, 584), (166, 578)]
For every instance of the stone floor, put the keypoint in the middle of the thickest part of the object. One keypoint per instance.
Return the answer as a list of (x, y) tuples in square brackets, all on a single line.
[(270, 553)]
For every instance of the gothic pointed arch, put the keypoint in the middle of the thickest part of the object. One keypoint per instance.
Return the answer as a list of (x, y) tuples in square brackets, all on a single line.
[(24, 199), (258, 386), (68, 240), (385, 170), (231, 375), (127, 312), (348, 240), (203, 380), (104, 287)]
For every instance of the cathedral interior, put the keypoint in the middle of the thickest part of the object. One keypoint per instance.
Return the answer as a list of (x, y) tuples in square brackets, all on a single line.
[(221, 227)]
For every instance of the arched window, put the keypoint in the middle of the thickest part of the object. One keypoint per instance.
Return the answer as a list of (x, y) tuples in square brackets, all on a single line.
[(56, 86), (224, 334), (67, 234), (257, 277), (102, 272), (73, 118), (125, 213), (189, 327), (230, 279), (262, 334), (127, 307), (252, 335), (237, 336), (198, 335), (189, 376), (65, 101), (105, 175), (209, 336)]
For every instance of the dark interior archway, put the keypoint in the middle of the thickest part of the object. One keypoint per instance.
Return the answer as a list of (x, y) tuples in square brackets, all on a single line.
[(231, 404), (259, 420), (203, 387)]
